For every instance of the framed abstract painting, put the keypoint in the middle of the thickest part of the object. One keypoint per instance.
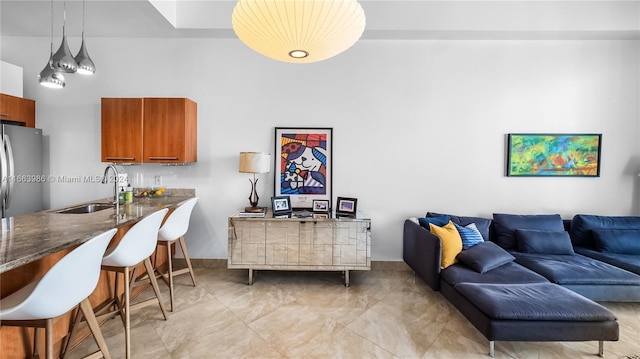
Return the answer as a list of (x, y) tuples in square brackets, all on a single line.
[(549, 155), (303, 161)]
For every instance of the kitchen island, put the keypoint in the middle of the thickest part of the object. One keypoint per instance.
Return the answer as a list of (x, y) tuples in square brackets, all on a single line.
[(33, 243)]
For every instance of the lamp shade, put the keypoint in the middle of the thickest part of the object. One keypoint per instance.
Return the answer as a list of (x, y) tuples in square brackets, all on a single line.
[(254, 162), (298, 31)]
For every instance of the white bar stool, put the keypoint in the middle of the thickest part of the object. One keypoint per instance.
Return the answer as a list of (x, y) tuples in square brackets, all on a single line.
[(68, 283), (136, 246), (174, 229)]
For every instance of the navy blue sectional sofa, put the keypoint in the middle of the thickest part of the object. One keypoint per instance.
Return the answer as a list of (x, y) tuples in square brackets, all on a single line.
[(534, 277)]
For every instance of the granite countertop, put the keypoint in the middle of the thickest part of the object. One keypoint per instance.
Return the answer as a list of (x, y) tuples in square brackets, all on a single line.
[(30, 237)]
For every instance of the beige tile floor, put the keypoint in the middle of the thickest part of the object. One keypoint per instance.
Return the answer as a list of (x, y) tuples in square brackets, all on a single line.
[(383, 314)]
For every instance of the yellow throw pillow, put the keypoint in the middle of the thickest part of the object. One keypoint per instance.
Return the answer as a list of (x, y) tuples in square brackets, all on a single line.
[(451, 243)]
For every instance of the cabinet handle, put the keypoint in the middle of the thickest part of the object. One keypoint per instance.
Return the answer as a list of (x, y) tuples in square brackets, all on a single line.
[(121, 158), (4, 114), (154, 158)]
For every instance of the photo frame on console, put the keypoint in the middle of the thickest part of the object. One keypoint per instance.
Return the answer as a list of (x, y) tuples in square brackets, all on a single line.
[(553, 155), (321, 206), (303, 164), (346, 206), (281, 205)]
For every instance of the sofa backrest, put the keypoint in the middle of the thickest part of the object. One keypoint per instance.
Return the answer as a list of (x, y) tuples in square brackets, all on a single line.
[(582, 226), (483, 224)]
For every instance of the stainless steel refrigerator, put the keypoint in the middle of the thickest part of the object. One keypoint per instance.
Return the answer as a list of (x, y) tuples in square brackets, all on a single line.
[(21, 170)]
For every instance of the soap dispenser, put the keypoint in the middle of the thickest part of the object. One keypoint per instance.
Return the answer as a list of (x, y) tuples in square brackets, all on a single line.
[(128, 198)]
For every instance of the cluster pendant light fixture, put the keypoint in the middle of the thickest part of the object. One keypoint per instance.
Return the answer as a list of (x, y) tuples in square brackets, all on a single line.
[(298, 31), (63, 61)]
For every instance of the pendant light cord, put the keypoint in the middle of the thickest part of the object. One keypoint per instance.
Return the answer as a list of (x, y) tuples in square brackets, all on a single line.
[(51, 53)]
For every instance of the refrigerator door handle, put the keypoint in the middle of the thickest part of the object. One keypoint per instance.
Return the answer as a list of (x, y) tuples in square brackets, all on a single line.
[(4, 174), (11, 177)]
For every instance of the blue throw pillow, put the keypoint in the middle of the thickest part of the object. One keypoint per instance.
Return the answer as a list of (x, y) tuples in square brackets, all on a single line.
[(505, 226), (469, 234), (439, 221), (622, 241), (485, 256), (544, 242), (482, 224)]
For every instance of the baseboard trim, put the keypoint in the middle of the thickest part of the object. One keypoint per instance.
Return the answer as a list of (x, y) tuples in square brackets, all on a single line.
[(222, 263)]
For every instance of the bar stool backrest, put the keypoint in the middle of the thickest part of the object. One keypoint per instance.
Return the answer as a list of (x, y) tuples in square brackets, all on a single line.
[(72, 279), (177, 223), (138, 243)]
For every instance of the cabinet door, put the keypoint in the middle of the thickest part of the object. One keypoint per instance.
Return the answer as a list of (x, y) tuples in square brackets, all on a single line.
[(283, 243), (122, 130), (316, 243), (170, 130), (247, 242), (18, 109), (352, 244)]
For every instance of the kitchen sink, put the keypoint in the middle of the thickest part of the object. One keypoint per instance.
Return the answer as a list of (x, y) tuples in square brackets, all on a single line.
[(86, 208)]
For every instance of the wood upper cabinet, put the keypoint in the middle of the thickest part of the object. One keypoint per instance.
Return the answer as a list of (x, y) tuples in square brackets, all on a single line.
[(170, 130), (149, 130), (122, 126), (18, 109)]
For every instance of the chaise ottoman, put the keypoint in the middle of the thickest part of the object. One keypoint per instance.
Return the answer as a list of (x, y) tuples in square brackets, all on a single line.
[(534, 312)]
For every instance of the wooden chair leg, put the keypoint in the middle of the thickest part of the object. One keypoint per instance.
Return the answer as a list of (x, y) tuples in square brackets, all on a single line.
[(87, 310), (48, 340), (170, 274), (36, 343), (154, 284), (183, 246), (127, 315)]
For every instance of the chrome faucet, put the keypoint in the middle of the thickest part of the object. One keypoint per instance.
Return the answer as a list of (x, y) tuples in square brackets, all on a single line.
[(116, 180)]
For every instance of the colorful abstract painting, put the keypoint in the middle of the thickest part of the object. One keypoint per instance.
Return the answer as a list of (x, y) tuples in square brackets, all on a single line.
[(554, 155), (303, 165)]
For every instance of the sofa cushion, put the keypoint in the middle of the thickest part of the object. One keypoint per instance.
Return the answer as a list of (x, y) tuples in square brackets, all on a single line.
[(482, 224), (438, 221), (505, 226), (485, 256), (623, 241), (511, 272), (533, 301), (630, 262), (532, 241), (582, 226), (576, 269), (451, 243), (469, 234)]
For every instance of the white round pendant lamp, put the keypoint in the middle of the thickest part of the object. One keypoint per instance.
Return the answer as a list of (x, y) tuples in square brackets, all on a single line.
[(298, 31)]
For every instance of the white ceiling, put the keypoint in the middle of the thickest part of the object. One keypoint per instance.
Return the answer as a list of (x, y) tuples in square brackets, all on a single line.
[(386, 19)]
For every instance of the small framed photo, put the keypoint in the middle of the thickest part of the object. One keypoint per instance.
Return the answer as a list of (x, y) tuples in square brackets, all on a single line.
[(321, 215), (346, 206), (281, 205), (321, 205)]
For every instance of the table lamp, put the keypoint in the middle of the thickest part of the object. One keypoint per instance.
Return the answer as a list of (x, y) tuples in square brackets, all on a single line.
[(254, 162)]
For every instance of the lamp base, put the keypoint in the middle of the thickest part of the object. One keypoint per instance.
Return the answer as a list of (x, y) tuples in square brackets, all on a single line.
[(254, 209)]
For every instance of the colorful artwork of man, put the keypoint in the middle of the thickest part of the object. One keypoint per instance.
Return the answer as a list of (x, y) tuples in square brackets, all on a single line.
[(303, 164)]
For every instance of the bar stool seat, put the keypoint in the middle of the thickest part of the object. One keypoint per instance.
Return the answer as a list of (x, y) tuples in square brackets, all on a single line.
[(172, 231), (136, 247), (66, 285)]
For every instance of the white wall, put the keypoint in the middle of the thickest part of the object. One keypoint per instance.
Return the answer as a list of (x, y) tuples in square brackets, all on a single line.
[(418, 125)]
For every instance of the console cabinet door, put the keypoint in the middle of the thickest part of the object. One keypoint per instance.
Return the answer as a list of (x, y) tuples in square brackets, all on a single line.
[(352, 244), (170, 130), (248, 242), (283, 243), (122, 130), (316, 243), (18, 109)]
